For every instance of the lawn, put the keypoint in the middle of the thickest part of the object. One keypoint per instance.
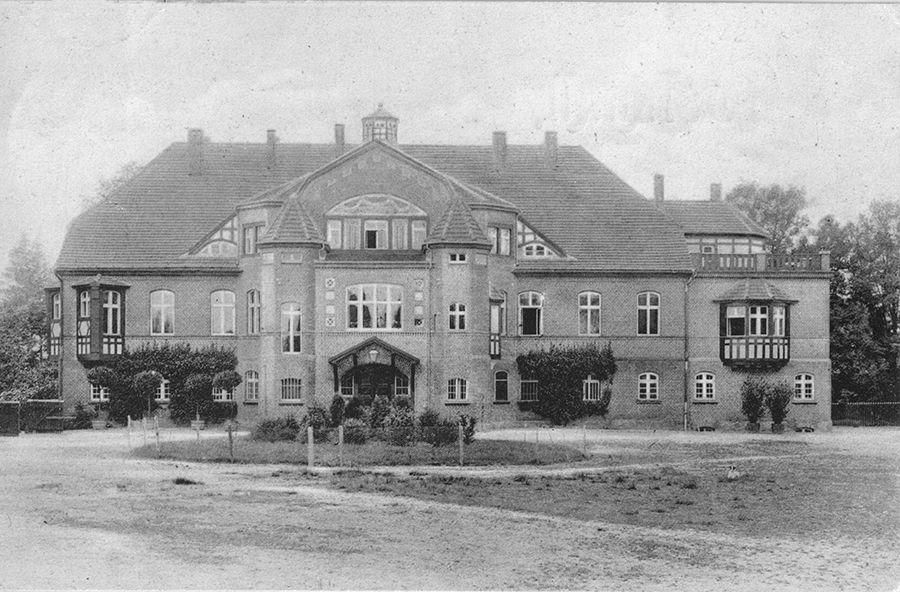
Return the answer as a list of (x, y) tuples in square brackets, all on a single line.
[(373, 453)]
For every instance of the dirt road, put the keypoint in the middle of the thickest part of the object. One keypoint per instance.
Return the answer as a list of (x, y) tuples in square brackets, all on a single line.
[(76, 511)]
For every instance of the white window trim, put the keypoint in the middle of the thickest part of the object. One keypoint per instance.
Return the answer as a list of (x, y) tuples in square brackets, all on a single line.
[(504, 379), (457, 314), (165, 309), (218, 313), (589, 309), (704, 386), (457, 390), (590, 389), (251, 377), (540, 307), (530, 398), (648, 309), (254, 312), (648, 382), (804, 383), (374, 302), (99, 394), (290, 311), (295, 387)]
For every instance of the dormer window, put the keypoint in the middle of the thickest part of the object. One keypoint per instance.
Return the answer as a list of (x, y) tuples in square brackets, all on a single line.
[(223, 242), (532, 245)]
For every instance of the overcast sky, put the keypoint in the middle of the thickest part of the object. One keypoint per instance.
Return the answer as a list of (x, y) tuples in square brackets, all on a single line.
[(796, 94)]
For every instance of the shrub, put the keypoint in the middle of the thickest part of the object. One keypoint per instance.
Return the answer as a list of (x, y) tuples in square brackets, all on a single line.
[(468, 424), (778, 399), (83, 417), (337, 410), (429, 418), (194, 399), (354, 408), (226, 379), (356, 431), (277, 429), (317, 417), (753, 399), (381, 406), (560, 372), (400, 425), (443, 433)]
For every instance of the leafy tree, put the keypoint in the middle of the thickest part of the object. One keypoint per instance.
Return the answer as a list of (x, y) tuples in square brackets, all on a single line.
[(778, 400), (107, 188), (775, 208), (753, 399), (560, 372)]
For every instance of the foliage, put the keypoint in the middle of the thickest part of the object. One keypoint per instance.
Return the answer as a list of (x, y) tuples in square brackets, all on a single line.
[(193, 400), (337, 410), (356, 431), (400, 425), (83, 418), (380, 408), (468, 428), (354, 408), (560, 372), (227, 380), (277, 429), (753, 399), (107, 188), (317, 418), (778, 400), (775, 208), (130, 397), (429, 418)]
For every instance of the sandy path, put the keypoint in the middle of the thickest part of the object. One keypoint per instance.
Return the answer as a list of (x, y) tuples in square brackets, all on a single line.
[(77, 512)]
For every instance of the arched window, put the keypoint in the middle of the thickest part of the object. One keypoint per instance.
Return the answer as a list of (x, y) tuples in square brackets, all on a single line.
[(531, 321), (251, 385), (804, 387), (648, 313), (221, 303), (589, 313), (162, 312), (705, 386), (648, 387), (254, 312), (501, 386), (290, 328), (457, 316), (457, 389)]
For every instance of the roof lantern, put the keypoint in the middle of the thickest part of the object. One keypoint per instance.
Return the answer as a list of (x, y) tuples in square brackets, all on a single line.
[(380, 125)]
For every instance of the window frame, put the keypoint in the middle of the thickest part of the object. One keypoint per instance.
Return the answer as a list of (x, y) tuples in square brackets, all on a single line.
[(401, 385), (393, 308), (163, 391), (112, 318), (704, 386), (457, 317), (804, 387), (647, 309), (287, 387), (221, 330), (166, 311), (648, 386), (254, 312), (531, 294), (586, 312), (457, 390), (590, 389), (251, 386), (221, 395), (98, 394), (250, 239), (504, 380), (532, 397), (291, 328)]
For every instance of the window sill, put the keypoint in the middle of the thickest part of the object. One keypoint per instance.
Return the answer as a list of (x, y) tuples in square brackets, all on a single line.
[(647, 401), (251, 402), (456, 403), (705, 402), (290, 403), (806, 402), (502, 402)]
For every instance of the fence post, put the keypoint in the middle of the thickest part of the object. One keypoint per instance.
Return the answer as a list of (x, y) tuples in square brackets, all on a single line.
[(129, 432), (460, 428), (584, 437), (310, 452), (144, 428), (341, 445), (197, 428), (230, 443), (156, 421)]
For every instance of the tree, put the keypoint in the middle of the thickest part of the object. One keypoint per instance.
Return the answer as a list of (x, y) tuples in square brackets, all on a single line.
[(775, 208), (106, 188)]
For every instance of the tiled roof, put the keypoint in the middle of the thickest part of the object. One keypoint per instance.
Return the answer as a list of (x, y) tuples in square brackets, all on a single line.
[(754, 289), (293, 226), (711, 217), (596, 219), (457, 226)]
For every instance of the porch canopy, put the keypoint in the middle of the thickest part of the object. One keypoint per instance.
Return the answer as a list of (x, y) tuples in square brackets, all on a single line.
[(373, 351)]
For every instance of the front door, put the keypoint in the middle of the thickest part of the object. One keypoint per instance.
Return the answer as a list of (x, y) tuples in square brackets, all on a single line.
[(373, 380)]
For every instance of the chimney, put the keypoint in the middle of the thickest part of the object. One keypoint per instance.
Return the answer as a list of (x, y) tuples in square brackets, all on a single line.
[(499, 150), (271, 141), (551, 149), (715, 192), (195, 151), (338, 139), (659, 188)]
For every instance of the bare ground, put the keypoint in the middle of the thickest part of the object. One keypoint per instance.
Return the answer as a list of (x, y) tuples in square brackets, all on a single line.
[(77, 511)]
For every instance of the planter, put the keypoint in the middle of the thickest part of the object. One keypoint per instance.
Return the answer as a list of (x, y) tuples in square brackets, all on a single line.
[(777, 428), (198, 424), (98, 424), (753, 427)]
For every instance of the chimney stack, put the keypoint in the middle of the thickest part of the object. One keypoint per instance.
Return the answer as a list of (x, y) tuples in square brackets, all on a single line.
[(195, 151), (339, 138), (659, 188), (715, 192), (271, 141), (551, 149), (499, 150)]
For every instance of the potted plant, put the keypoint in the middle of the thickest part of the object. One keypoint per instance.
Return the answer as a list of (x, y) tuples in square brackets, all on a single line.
[(753, 402), (778, 399)]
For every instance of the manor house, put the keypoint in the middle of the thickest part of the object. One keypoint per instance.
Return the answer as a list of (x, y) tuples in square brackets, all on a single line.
[(423, 270)]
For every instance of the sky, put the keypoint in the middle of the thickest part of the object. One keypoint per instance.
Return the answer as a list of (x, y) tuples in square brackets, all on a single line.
[(791, 94)]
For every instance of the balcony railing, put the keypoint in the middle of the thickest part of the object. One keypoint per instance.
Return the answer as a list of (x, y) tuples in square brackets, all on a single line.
[(755, 351), (494, 345), (761, 262)]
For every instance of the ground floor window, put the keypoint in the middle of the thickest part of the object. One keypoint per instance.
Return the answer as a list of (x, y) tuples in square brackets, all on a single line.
[(501, 386), (163, 391), (347, 385), (705, 386), (220, 394), (251, 385), (99, 393), (590, 389), (528, 390), (401, 386), (648, 387), (804, 386), (290, 389), (457, 389)]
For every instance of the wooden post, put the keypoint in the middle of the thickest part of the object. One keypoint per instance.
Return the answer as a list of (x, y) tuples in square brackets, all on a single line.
[(537, 435), (460, 427), (129, 432), (584, 437), (144, 428), (341, 445), (230, 443), (158, 453), (310, 452)]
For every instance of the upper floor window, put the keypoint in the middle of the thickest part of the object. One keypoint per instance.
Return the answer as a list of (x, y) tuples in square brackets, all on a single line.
[(251, 385), (376, 221), (112, 312), (457, 389), (457, 257), (84, 304), (498, 317), (705, 386), (374, 306), (457, 316), (222, 312), (778, 321), (419, 231), (759, 320), (251, 238), (537, 251), (162, 312), (335, 234), (501, 386), (589, 313), (648, 313), (500, 238), (531, 305), (755, 320), (648, 386), (590, 389), (254, 312), (56, 307), (804, 386), (375, 234), (290, 328)]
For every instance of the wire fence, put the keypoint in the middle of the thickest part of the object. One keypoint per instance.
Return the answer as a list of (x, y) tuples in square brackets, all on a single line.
[(867, 413)]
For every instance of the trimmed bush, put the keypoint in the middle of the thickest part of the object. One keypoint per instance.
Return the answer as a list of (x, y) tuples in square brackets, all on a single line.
[(83, 417), (194, 399), (753, 399), (778, 400), (277, 429), (317, 417), (356, 431), (400, 425), (380, 409), (337, 410)]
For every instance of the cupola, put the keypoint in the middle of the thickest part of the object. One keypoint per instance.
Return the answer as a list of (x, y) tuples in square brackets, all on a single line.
[(380, 125)]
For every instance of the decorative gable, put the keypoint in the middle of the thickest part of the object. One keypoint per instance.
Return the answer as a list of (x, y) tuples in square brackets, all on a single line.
[(221, 243), (532, 245)]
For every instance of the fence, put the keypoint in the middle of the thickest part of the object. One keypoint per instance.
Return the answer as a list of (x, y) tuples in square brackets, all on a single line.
[(32, 415), (878, 413)]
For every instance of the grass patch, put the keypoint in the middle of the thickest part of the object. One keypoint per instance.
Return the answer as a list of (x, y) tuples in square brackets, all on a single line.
[(373, 453)]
